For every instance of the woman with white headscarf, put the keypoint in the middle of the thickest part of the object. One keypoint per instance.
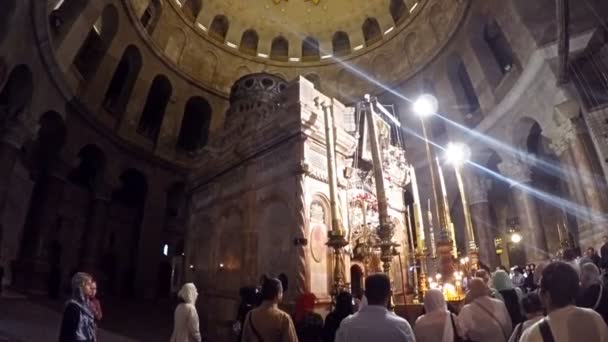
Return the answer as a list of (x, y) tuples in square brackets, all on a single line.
[(437, 324), (186, 326), (78, 322)]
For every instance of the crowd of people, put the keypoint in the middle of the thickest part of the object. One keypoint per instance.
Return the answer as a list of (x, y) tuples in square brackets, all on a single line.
[(560, 301)]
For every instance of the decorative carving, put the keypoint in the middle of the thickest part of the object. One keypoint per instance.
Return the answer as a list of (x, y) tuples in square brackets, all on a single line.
[(318, 239), (301, 223), (516, 171), (317, 212)]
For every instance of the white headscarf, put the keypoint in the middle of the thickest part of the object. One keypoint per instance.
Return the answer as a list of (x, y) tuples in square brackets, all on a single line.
[(188, 293), (436, 309), (434, 301)]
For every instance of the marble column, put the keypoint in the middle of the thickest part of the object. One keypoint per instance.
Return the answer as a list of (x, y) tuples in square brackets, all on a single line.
[(533, 233), (583, 173), (480, 215)]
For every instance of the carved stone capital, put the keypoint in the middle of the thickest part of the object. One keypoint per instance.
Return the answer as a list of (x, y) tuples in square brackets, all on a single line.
[(516, 171)]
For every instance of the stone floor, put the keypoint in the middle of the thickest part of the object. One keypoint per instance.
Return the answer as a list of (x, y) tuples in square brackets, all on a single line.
[(34, 319)]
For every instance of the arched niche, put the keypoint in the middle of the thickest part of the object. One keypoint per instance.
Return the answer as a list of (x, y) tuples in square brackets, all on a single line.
[(279, 49), (466, 95), (310, 49), (98, 41), (371, 31), (398, 11), (192, 8), (194, 132), (16, 93), (219, 27), (63, 15), (340, 44), (121, 86), (154, 110), (149, 19), (90, 168), (249, 42)]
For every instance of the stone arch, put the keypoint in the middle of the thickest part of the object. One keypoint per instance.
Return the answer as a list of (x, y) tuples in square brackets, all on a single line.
[(49, 142), (249, 42), (464, 90), (210, 64), (279, 49), (63, 15), (411, 47), (154, 110), (398, 10), (310, 49), (194, 132), (192, 8), (242, 71), (382, 68), (149, 19), (521, 133), (88, 173), (219, 27), (319, 218), (341, 44), (16, 93), (176, 44), (96, 45), (121, 86), (7, 9), (371, 31)]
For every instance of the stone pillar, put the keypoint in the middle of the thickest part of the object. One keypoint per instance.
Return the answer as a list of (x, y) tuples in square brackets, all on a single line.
[(149, 248), (96, 223), (16, 134), (534, 240), (480, 215), (33, 267)]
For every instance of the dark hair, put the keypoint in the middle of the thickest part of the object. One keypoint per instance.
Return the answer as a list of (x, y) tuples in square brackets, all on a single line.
[(344, 303), (569, 254), (561, 282), (377, 289), (531, 303), (271, 289)]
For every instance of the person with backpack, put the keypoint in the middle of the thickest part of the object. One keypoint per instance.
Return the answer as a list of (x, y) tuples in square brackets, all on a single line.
[(534, 312), (438, 324)]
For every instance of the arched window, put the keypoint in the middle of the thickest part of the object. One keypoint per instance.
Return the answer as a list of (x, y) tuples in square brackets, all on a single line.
[(310, 49), (398, 11), (63, 16), (89, 171), (94, 48), (191, 8), (371, 31), (195, 125), (154, 109), (499, 45), (126, 73), (464, 90), (16, 94), (279, 49), (7, 8), (151, 15), (249, 42), (340, 43), (219, 27)]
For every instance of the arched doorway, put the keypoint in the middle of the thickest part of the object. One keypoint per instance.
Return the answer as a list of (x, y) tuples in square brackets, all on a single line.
[(356, 281)]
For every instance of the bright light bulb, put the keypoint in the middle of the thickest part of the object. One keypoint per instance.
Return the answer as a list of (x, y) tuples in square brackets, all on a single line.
[(516, 238), (425, 105), (457, 153)]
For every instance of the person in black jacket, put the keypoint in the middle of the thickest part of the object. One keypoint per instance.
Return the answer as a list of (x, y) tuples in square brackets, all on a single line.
[(344, 308), (78, 322)]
